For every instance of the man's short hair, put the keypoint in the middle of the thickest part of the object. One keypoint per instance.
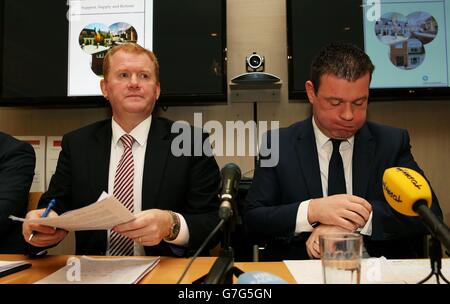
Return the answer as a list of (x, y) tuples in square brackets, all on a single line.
[(129, 48), (341, 59)]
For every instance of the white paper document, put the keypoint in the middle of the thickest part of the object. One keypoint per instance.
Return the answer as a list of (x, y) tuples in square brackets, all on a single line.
[(373, 271), (88, 270), (102, 215)]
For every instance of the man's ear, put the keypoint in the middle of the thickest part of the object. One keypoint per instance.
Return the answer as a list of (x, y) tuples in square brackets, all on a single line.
[(103, 88), (158, 90), (309, 86)]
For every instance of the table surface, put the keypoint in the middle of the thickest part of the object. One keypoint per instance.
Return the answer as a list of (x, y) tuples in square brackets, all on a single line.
[(168, 270)]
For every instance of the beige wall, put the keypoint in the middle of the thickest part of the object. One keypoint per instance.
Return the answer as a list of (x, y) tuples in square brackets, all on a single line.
[(260, 25)]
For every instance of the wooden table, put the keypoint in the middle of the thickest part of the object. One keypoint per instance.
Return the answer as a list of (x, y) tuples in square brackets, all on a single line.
[(167, 271)]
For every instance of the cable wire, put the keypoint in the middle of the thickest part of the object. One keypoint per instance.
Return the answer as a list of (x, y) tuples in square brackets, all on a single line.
[(200, 250)]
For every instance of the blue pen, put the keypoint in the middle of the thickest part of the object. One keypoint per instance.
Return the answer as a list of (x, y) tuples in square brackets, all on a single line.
[(46, 212)]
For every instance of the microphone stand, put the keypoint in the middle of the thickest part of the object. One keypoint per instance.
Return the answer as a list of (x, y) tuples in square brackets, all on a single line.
[(436, 262), (223, 269)]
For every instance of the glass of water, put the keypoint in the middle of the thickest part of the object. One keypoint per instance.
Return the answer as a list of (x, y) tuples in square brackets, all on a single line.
[(341, 258)]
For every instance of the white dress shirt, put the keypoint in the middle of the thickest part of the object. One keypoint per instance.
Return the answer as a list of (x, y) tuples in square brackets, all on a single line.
[(324, 150), (140, 134)]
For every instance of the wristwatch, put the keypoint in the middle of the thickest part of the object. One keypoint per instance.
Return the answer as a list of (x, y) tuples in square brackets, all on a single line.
[(175, 229)]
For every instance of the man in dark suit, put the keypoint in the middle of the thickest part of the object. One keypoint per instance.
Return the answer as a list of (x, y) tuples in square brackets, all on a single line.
[(17, 162), (289, 205), (174, 198)]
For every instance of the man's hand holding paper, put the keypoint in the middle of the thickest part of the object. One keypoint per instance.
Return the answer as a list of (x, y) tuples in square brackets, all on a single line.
[(44, 236), (105, 214), (148, 228)]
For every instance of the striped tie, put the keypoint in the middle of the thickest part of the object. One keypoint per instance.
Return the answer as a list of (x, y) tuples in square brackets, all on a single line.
[(123, 191)]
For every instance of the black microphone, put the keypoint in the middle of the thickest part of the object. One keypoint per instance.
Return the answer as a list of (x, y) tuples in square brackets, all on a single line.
[(231, 175), (408, 193)]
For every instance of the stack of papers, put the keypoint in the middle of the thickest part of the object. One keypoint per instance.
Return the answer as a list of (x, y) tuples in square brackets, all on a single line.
[(88, 270), (8, 267)]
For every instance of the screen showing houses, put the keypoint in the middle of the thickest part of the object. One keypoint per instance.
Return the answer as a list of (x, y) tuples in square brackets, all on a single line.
[(408, 42), (94, 27)]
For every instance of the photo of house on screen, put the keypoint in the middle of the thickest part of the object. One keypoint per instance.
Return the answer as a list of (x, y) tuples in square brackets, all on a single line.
[(96, 39)]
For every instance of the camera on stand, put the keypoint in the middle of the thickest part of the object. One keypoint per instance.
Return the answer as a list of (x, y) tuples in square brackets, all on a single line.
[(254, 63)]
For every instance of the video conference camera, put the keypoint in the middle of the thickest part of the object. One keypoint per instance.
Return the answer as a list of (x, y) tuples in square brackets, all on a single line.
[(254, 63)]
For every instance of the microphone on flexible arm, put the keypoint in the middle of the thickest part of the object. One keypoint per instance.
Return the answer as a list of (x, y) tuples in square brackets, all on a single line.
[(408, 193), (223, 268), (231, 175)]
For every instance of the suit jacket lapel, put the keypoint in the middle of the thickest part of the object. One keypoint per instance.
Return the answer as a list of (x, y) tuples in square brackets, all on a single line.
[(158, 148), (98, 158), (363, 153), (309, 161)]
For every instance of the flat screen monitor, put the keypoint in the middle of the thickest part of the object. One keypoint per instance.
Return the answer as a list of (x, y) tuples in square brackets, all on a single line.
[(408, 42), (51, 52)]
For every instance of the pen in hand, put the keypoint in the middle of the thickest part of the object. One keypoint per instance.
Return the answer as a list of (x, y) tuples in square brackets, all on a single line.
[(46, 212)]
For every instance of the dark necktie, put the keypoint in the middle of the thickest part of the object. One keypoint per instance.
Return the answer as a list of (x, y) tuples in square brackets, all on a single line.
[(336, 177)]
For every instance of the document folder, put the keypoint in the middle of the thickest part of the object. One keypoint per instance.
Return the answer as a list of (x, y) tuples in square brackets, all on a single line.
[(8, 267)]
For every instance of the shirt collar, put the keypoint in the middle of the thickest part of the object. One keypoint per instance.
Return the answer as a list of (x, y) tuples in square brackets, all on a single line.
[(322, 139), (139, 133)]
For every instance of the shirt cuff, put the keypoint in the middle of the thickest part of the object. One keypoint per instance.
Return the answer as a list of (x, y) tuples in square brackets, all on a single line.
[(183, 236), (302, 224), (367, 229)]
